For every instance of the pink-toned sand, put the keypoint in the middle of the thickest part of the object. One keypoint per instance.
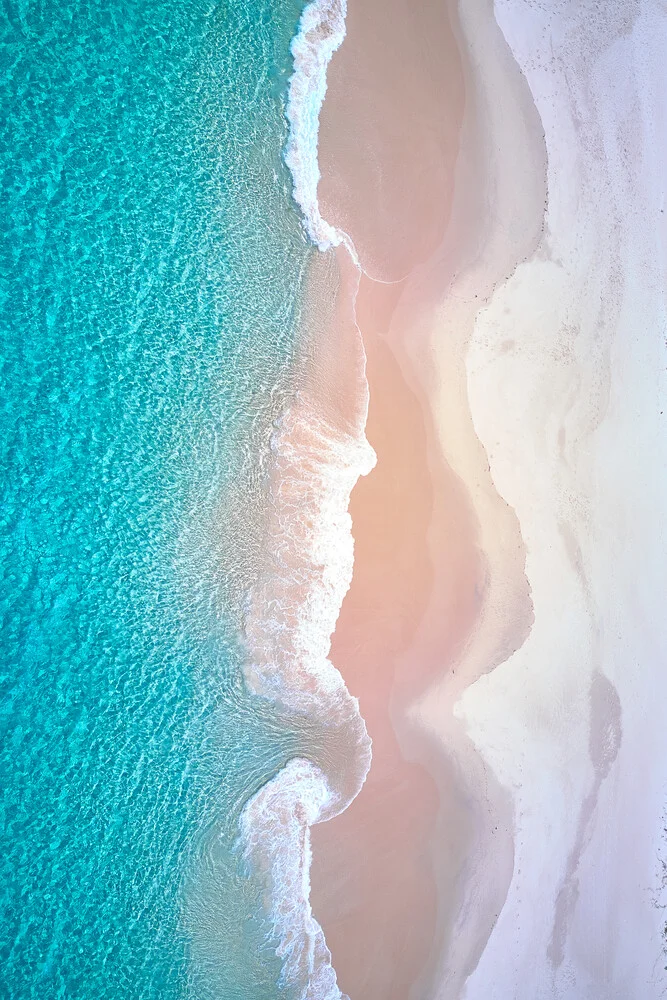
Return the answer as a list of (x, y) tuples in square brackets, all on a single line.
[(388, 145), (373, 876), (389, 132)]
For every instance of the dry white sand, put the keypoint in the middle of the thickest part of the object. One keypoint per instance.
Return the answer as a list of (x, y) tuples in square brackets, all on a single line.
[(567, 385)]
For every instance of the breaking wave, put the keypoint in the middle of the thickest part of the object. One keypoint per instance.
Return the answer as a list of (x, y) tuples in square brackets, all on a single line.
[(275, 829), (307, 566), (321, 31)]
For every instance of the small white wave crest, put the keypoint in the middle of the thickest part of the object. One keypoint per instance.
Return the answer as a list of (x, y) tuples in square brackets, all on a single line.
[(321, 31), (275, 831)]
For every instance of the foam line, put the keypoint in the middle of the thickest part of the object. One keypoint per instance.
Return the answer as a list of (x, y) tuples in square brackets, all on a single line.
[(293, 609), (275, 832), (321, 31)]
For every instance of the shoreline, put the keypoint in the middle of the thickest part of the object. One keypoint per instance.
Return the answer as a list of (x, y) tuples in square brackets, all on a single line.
[(469, 605), (419, 881)]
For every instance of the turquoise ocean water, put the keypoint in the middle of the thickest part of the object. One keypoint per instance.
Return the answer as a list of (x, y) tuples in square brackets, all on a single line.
[(151, 266)]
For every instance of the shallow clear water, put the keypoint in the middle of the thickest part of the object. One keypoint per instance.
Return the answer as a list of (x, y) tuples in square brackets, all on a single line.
[(151, 263)]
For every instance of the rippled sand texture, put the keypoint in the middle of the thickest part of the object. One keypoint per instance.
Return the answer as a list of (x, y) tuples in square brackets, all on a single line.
[(499, 173)]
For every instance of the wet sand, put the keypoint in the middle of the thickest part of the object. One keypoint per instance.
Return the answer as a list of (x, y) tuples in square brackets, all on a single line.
[(389, 875), (374, 881), (389, 132), (408, 882)]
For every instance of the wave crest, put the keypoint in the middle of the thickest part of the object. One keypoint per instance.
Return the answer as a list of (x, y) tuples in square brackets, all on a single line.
[(291, 614), (275, 829), (321, 31)]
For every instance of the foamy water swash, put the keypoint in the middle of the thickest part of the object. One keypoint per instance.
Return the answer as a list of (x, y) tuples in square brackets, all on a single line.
[(321, 31), (309, 559)]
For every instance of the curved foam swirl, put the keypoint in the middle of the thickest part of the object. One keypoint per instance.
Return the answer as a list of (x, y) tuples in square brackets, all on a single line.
[(275, 829), (321, 31)]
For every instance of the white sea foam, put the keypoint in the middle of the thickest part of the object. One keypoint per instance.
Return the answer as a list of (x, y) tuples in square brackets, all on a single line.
[(307, 569), (291, 615), (275, 829), (321, 31), (309, 558)]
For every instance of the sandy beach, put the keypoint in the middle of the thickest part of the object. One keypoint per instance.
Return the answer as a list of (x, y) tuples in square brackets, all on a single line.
[(391, 875), (566, 375), (487, 623)]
